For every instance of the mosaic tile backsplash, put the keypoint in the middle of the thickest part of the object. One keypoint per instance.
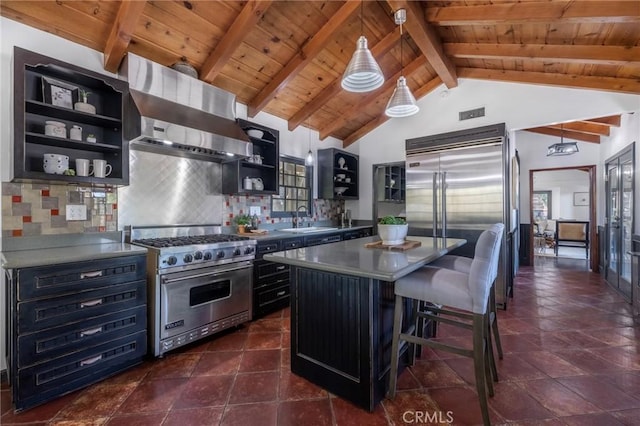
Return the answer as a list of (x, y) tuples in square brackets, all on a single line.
[(30, 209)]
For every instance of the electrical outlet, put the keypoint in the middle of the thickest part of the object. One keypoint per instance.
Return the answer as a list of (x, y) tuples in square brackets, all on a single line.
[(254, 210), (76, 212)]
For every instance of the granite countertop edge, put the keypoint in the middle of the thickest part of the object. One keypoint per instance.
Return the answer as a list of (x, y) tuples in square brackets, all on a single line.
[(275, 234), (58, 255)]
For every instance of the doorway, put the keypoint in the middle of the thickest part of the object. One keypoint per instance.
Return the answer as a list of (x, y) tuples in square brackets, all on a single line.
[(619, 187), (548, 205)]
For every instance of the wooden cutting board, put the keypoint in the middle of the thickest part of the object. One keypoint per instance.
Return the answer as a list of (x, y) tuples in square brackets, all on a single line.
[(408, 244)]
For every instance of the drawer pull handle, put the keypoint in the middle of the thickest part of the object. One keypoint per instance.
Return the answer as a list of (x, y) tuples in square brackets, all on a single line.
[(281, 293), (91, 332), (92, 274), (90, 361), (281, 267), (91, 303)]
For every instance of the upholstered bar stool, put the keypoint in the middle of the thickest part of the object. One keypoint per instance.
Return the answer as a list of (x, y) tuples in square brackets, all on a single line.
[(465, 300)]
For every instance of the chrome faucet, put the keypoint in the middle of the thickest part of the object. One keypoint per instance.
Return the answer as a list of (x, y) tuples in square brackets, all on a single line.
[(296, 220)]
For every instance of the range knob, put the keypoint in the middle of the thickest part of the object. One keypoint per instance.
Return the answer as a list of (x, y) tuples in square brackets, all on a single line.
[(248, 250), (207, 255), (237, 252), (197, 255), (172, 260), (220, 254), (187, 258)]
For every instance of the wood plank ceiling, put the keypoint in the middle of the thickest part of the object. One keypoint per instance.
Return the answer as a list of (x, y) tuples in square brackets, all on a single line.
[(287, 57)]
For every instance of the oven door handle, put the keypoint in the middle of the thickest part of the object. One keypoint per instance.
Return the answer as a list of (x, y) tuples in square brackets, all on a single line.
[(217, 272)]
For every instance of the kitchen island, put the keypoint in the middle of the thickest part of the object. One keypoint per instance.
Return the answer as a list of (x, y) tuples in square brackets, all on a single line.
[(342, 303)]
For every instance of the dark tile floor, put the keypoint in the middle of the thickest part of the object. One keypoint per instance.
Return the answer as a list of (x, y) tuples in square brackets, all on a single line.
[(572, 358)]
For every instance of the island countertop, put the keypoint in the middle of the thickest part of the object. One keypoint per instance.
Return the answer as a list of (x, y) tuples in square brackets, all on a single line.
[(353, 258)]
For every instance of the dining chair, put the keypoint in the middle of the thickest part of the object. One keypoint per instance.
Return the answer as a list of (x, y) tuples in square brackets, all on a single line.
[(465, 300)]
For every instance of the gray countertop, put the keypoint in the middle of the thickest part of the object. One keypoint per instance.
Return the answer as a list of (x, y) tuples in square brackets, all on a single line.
[(51, 256), (275, 234), (353, 258)]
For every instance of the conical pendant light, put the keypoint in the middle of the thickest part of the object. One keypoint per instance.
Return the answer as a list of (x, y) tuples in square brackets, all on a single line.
[(402, 102), (363, 73)]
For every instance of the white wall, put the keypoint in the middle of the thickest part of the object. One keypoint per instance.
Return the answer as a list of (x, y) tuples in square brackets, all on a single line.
[(517, 105)]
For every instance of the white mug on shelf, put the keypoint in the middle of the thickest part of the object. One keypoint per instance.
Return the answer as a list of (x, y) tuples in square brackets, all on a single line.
[(75, 133), (83, 167), (101, 168)]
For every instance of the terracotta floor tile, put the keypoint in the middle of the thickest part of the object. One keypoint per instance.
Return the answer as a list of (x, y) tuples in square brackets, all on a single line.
[(513, 403), (627, 357), (228, 342), (579, 339), (587, 361), (41, 413), (98, 401), (253, 361), (436, 374), (263, 413), (459, 403), (557, 398), (628, 417), (194, 416), (292, 386), (218, 363), (628, 382), (254, 387), (306, 412), (153, 395), (5, 401), (133, 375), (513, 343), (551, 364), (139, 419), (266, 325), (174, 366), (263, 341), (600, 392), (407, 380), (204, 391), (612, 337), (598, 419), (346, 413)]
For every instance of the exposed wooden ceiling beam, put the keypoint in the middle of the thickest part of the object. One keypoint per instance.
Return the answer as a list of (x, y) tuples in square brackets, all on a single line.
[(303, 57), (418, 94), (538, 12), (379, 50), (611, 84), (584, 127), (565, 134), (606, 55), (428, 40), (121, 31), (612, 120), (246, 20), (367, 98)]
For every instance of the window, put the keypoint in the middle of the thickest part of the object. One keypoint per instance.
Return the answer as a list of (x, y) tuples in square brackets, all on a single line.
[(541, 203), (294, 179)]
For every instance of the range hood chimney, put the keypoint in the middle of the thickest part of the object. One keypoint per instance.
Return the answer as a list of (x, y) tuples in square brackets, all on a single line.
[(175, 114)]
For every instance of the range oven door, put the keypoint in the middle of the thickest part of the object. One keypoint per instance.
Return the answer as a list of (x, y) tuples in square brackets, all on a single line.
[(191, 299)]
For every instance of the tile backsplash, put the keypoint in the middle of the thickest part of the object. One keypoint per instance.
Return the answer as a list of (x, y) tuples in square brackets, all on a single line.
[(31, 209)]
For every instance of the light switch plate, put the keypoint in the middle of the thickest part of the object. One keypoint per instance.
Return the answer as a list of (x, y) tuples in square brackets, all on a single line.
[(76, 212), (254, 210)]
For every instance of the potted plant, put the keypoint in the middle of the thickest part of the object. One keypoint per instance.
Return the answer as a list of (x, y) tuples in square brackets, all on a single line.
[(84, 104), (242, 220), (392, 230)]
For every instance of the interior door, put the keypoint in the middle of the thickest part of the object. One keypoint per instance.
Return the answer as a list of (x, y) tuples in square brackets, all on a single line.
[(620, 205)]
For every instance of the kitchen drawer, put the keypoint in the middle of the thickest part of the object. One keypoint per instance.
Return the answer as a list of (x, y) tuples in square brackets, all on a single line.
[(265, 269), (267, 247), (275, 279), (63, 340), (293, 243), (56, 377), (36, 315), (54, 280), (273, 294)]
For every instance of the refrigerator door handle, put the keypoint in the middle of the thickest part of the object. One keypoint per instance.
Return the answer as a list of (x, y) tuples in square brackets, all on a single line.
[(443, 194), (435, 204)]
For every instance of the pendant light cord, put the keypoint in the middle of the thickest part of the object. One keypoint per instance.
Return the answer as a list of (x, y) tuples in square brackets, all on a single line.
[(362, 17), (401, 53)]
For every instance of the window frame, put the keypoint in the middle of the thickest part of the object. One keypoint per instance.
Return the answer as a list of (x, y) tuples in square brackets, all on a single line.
[(308, 212)]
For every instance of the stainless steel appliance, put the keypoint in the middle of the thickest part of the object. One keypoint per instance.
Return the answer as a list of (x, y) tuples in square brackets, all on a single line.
[(199, 282), (458, 186)]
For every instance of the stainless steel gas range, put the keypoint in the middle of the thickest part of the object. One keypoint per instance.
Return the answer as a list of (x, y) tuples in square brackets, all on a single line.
[(199, 282)]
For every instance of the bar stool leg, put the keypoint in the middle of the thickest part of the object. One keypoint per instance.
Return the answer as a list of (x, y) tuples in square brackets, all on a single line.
[(479, 348), (395, 347), (494, 320)]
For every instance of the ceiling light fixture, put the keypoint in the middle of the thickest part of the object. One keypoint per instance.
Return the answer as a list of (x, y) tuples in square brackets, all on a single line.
[(309, 160), (363, 73), (562, 148), (402, 102)]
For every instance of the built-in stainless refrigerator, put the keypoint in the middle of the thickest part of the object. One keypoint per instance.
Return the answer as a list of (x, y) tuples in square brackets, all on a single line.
[(457, 185)]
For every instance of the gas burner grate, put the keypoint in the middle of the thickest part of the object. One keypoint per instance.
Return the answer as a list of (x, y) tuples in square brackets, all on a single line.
[(189, 240)]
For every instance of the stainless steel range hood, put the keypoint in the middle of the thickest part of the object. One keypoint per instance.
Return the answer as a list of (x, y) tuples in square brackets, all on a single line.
[(175, 114)]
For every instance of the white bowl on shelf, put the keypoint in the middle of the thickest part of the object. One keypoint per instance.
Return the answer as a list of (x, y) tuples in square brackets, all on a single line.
[(340, 189), (255, 133)]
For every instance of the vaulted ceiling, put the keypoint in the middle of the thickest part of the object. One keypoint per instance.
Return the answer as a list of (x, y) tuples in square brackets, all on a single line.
[(287, 57)]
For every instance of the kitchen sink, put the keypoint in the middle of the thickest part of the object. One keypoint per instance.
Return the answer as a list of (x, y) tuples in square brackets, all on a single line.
[(308, 229)]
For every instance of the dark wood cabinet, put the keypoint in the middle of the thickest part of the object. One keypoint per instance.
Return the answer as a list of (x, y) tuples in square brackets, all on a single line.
[(46, 89), (74, 324), (337, 174), (263, 166)]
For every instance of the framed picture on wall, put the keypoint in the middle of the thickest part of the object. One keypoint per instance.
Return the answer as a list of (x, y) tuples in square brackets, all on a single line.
[(580, 198)]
